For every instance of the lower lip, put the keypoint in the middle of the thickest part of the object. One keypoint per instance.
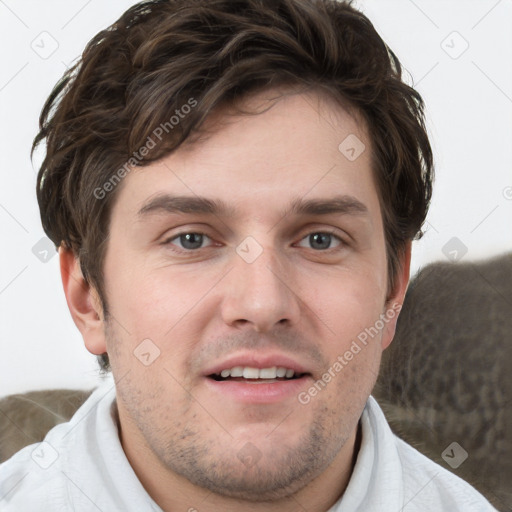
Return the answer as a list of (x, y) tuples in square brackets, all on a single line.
[(259, 392)]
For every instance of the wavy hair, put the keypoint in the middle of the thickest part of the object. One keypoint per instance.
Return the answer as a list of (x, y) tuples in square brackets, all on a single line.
[(136, 74)]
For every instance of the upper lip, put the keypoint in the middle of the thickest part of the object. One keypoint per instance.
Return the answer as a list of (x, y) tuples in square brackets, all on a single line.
[(257, 360)]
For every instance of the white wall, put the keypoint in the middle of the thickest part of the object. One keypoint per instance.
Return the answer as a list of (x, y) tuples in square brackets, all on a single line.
[(469, 103)]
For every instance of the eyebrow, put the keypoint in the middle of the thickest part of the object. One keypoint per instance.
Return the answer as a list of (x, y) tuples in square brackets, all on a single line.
[(347, 205), (166, 203)]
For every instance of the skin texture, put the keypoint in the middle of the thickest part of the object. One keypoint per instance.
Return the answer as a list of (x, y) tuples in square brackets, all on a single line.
[(198, 307)]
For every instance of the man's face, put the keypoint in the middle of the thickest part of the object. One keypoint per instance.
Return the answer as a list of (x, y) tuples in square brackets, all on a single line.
[(260, 285)]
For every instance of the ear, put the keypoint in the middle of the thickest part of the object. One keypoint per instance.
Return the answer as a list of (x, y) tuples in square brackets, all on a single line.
[(396, 297), (83, 302)]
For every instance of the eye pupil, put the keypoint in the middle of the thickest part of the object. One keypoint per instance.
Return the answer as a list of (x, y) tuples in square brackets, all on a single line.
[(322, 239), (191, 240)]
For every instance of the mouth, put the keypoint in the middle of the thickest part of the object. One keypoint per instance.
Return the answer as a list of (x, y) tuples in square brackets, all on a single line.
[(252, 375), (251, 385)]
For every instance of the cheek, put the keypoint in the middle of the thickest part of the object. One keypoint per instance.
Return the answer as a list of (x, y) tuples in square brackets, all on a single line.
[(348, 301), (150, 301), (165, 306)]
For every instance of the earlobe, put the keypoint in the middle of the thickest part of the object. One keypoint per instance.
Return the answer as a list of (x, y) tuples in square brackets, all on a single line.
[(83, 302), (395, 300)]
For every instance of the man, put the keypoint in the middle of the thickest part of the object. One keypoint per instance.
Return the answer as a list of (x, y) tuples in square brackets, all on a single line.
[(233, 187)]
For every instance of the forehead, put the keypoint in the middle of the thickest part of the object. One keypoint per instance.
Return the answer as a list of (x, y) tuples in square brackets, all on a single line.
[(292, 146)]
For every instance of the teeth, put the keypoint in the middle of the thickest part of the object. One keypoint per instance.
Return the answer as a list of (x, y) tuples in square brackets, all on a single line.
[(281, 372), (237, 371), (247, 372), (251, 373), (268, 373)]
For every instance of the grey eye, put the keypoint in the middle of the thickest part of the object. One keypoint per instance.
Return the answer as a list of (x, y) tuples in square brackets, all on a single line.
[(189, 241), (320, 240)]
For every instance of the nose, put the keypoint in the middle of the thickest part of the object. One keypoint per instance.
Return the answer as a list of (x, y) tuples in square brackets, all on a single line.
[(261, 293)]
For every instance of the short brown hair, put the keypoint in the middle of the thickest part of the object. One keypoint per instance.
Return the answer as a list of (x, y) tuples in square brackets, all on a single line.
[(138, 73)]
